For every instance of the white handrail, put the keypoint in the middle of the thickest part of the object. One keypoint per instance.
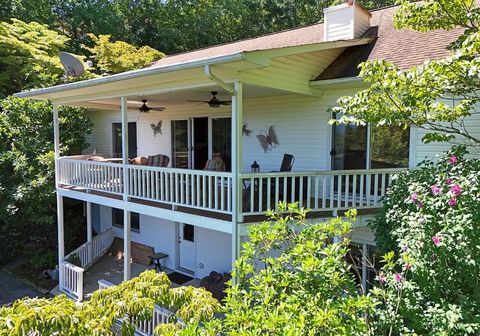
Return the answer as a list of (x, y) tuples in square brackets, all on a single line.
[(88, 253), (317, 191)]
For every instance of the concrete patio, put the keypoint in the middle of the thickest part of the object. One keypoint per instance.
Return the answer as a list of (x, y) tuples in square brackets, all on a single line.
[(110, 268)]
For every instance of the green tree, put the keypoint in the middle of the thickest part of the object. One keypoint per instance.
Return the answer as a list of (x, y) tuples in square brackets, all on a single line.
[(440, 96), (29, 56), (27, 189), (293, 279), (114, 57), (131, 299)]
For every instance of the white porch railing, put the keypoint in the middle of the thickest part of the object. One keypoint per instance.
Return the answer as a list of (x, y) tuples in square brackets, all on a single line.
[(212, 191), (199, 189), (317, 191), (160, 315), (85, 255), (92, 175)]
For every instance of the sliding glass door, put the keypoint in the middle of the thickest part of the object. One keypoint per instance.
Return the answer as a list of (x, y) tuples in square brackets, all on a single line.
[(196, 140)]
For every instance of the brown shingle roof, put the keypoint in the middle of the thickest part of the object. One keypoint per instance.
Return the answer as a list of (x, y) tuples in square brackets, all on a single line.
[(403, 47), (295, 37)]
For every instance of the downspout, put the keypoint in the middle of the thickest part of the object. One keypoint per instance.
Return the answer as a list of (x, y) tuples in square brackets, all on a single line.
[(221, 83), (237, 116)]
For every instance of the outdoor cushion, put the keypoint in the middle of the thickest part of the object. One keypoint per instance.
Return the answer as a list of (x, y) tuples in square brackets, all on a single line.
[(139, 160), (158, 160), (215, 165)]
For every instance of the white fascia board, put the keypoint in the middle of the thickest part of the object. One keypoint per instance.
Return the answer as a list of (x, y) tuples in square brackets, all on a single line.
[(338, 83), (46, 92)]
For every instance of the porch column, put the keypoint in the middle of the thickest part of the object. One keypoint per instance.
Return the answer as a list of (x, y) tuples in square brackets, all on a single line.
[(126, 213), (237, 164), (89, 229), (60, 219)]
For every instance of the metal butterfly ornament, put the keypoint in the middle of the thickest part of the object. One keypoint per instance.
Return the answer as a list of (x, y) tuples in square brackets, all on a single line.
[(157, 129), (268, 139), (245, 130)]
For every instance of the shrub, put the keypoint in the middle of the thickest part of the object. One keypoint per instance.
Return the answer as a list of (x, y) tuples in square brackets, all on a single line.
[(293, 279), (431, 218)]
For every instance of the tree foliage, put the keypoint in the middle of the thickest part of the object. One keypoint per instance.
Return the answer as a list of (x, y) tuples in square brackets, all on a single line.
[(293, 279), (131, 299), (119, 56), (440, 96), (29, 56), (431, 219), (27, 190)]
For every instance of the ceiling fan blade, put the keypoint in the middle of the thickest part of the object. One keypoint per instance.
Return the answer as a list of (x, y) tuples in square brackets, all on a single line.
[(225, 102), (198, 101), (158, 108)]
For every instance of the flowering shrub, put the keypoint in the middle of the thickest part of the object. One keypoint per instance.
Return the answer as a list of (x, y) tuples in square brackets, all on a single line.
[(431, 219)]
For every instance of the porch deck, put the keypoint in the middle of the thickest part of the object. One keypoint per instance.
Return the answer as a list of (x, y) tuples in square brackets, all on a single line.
[(110, 268)]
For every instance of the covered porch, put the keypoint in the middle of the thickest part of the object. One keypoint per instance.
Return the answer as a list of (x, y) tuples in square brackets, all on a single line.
[(264, 118)]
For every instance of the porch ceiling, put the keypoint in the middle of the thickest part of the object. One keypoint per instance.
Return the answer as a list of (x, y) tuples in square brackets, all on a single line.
[(180, 97)]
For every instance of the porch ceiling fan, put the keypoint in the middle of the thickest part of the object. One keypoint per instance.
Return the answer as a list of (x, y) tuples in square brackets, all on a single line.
[(144, 108), (213, 102)]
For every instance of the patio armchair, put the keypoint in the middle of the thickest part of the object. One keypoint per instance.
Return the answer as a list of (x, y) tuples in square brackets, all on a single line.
[(215, 164), (159, 160)]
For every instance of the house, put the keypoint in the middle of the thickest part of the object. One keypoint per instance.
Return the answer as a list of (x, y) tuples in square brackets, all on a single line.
[(268, 96)]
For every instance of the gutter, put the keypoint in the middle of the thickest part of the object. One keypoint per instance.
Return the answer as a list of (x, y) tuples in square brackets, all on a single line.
[(38, 93)]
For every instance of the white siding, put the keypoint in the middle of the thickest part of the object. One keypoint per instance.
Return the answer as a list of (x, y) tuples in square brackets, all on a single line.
[(155, 232), (435, 149), (214, 252), (213, 248)]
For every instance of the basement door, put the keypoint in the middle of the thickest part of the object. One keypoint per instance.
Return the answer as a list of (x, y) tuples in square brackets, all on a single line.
[(187, 247)]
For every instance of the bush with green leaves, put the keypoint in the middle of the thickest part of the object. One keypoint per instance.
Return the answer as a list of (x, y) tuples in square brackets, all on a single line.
[(133, 298), (293, 279), (431, 218)]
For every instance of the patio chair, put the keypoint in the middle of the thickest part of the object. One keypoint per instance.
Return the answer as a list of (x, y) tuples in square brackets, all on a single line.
[(286, 166), (158, 160), (215, 164)]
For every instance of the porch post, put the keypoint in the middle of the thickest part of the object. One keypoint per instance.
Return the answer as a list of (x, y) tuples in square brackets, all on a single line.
[(89, 230), (126, 213), (60, 219), (237, 164)]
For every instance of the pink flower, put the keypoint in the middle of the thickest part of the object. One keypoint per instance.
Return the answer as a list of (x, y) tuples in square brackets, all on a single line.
[(436, 240), (435, 190), (456, 189), (420, 204), (414, 196), (449, 181), (381, 278), (398, 277), (453, 159), (452, 201)]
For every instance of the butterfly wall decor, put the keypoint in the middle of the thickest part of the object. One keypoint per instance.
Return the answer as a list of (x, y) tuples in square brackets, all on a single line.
[(245, 130), (157, 129), (268, 139)]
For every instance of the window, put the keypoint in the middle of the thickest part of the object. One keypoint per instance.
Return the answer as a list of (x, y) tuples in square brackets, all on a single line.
[(117, 139), (117, 219), (188, 232), (362, 147)]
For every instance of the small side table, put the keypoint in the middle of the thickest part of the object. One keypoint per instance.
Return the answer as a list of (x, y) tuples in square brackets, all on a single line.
[(155, 260)]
